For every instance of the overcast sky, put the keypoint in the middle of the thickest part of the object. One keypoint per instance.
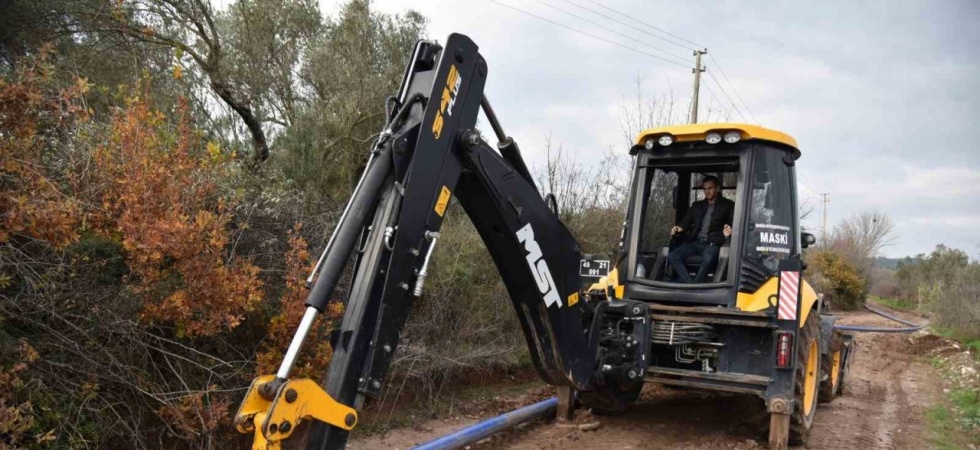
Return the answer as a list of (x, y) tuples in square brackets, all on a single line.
[(881, 95)]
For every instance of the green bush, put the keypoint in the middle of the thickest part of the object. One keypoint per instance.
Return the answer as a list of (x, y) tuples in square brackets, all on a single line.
[(958, 307), (947, 284), (837, 279)]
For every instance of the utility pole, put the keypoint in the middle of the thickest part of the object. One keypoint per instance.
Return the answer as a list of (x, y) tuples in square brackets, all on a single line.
[(826, 200), (697, 83)]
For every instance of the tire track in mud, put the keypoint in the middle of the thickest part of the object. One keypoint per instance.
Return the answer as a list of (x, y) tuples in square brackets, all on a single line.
[(880, 408), (863, 416)]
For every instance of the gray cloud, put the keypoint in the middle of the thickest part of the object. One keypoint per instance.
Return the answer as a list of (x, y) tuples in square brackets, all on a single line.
[(881, 95)]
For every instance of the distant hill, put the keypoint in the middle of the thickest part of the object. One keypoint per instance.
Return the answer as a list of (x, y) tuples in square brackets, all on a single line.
[(887, 263)]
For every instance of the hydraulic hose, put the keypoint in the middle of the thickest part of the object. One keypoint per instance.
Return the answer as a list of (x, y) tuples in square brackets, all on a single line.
[(912, 327), (481, 430)]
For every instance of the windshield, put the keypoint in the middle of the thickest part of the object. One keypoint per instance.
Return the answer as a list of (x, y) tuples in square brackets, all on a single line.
[(687, 219)]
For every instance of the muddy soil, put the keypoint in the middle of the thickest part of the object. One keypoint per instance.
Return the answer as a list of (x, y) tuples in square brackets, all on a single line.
[(886, 394)]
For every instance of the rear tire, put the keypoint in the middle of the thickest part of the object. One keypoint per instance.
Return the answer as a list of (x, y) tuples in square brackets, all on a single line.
[(806, 381), (832, 364), (609, 400)]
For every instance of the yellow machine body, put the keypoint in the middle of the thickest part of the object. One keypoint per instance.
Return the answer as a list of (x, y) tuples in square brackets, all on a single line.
[(760, 299)]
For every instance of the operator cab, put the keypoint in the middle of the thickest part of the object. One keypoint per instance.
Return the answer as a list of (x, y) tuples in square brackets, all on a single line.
[(673, 187), (752, 168)]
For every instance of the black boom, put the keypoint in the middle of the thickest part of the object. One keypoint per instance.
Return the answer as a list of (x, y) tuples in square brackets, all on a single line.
[(429, 153)]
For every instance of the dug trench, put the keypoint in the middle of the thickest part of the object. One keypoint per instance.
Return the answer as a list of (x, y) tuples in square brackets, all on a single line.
[(887, 391)]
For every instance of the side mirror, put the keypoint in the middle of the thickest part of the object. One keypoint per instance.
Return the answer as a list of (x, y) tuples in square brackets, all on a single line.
[(808, 239)]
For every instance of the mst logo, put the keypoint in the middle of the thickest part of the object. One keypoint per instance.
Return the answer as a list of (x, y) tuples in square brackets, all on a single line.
[(539, 267), (449, 93)]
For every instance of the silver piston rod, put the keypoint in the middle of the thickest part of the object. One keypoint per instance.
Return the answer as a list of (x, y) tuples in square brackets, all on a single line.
[(433, 236), (304, 328)]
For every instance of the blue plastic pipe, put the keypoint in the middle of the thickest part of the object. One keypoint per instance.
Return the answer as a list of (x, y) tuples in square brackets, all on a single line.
[(476, 432), (912, 327)]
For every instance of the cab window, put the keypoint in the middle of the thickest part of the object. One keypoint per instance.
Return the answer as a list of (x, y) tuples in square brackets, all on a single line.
[(672, 186), (770, 238)]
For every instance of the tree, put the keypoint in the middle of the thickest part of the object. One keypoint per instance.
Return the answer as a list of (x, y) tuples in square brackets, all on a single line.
[(923, 277), (264, 45), (103, 226), (161, 200), (346, 75), (248, 55), (591, 199), (641, 111), (843, 266), (863, 235), (133, 257)]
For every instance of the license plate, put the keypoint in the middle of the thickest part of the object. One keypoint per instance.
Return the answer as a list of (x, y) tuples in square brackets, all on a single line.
[(596, 268)]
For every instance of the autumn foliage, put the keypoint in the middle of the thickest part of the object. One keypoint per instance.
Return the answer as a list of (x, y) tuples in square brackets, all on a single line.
[(140, 193), (17, 417), (32, 203), (153, 188), (146, 200), (197, 414), (312, 363), (160, 199)]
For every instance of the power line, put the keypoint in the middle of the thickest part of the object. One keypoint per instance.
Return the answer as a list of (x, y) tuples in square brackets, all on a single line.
[(725, 93), (626, 24), (738, 95), (715, 97), (730, 101), (808, 186), (733, 87), (804, 179), (589, 34), (610, 30), (696, 46)]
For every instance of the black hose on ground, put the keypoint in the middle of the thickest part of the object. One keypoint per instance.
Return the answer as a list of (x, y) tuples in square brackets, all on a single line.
[(912, 327)]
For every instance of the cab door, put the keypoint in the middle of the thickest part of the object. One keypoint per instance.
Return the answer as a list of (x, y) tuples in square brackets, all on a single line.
[(771, 220)]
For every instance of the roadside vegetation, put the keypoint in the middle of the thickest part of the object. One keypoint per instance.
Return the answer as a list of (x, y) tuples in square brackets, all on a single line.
[(955, 420), (169, 172), (944, 286)]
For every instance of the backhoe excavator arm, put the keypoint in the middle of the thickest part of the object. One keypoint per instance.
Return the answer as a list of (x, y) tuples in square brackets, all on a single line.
[(429, 152)]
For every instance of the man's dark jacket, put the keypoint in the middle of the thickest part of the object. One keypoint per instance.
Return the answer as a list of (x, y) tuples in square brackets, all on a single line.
[(723, 215)]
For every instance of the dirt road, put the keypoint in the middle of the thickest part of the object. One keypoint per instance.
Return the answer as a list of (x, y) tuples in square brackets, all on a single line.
[(885, 396)]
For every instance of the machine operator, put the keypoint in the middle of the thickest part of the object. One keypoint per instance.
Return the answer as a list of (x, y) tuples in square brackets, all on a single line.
[(710, 222)]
